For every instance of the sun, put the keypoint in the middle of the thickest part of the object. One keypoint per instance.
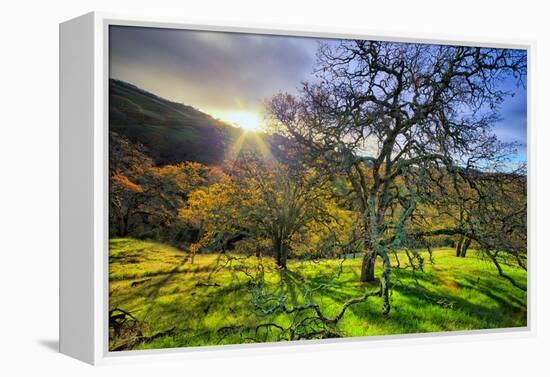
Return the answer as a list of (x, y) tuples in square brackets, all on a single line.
[(246, 120)]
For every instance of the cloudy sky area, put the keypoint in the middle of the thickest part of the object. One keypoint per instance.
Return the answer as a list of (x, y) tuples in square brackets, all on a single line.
[(218, 73), (228, 75)]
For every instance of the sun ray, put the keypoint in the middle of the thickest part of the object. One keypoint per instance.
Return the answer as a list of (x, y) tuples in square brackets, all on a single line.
[(237, 146), (264, 149)]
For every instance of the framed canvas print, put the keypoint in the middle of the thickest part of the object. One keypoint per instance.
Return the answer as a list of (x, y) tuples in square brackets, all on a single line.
[(225, 187)]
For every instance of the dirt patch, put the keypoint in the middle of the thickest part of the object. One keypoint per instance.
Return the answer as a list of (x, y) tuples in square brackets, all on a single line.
[(447, 280)]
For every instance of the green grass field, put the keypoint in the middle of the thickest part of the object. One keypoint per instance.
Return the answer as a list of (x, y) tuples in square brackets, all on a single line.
[(179, 302)]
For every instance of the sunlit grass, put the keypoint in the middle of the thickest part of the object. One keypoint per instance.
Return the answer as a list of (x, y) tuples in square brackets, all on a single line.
[(159, 285)]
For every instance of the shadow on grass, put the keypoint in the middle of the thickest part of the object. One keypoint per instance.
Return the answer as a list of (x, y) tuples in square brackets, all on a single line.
[(200, 311), (488, 289), (151, 290), (474, 315)]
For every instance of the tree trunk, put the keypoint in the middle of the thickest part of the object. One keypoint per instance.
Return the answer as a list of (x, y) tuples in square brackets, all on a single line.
[(367, 268), (369, 256), (465, 247), (459, 246), (281, 252), (123, 225), (282, 261)]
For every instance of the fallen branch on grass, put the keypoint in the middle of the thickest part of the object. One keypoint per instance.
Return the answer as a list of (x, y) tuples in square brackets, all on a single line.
[(144, 339), (139, 282)]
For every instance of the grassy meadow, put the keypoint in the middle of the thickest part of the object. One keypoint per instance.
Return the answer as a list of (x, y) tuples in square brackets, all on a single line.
[(180, 301)]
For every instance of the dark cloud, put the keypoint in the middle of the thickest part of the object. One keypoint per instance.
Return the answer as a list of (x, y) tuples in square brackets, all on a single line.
[(210, 70)]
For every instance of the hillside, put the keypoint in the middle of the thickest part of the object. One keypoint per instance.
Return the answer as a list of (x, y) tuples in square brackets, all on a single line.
[(178, 301), (171, 132)]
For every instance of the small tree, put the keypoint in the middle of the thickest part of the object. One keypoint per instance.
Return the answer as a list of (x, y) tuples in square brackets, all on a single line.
[(489, 209), (259, 199), (143, 195)]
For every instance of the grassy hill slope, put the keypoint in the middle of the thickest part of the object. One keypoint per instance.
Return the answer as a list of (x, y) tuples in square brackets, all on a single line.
[(171, 132), (181, 303)]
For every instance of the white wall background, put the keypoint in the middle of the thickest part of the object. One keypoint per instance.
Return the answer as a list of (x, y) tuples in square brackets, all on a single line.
[(29, 185)]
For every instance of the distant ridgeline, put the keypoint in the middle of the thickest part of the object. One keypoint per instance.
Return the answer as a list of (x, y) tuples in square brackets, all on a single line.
[(170, 132)]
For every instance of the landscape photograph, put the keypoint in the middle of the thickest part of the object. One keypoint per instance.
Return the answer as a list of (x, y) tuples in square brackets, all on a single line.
[(267, 188)]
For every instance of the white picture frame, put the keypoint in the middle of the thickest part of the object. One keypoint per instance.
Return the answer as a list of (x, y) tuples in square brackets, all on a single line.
[(84, 58)]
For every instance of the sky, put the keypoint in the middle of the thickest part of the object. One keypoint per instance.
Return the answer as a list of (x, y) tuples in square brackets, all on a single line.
[(228, 75), (222, 74)]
